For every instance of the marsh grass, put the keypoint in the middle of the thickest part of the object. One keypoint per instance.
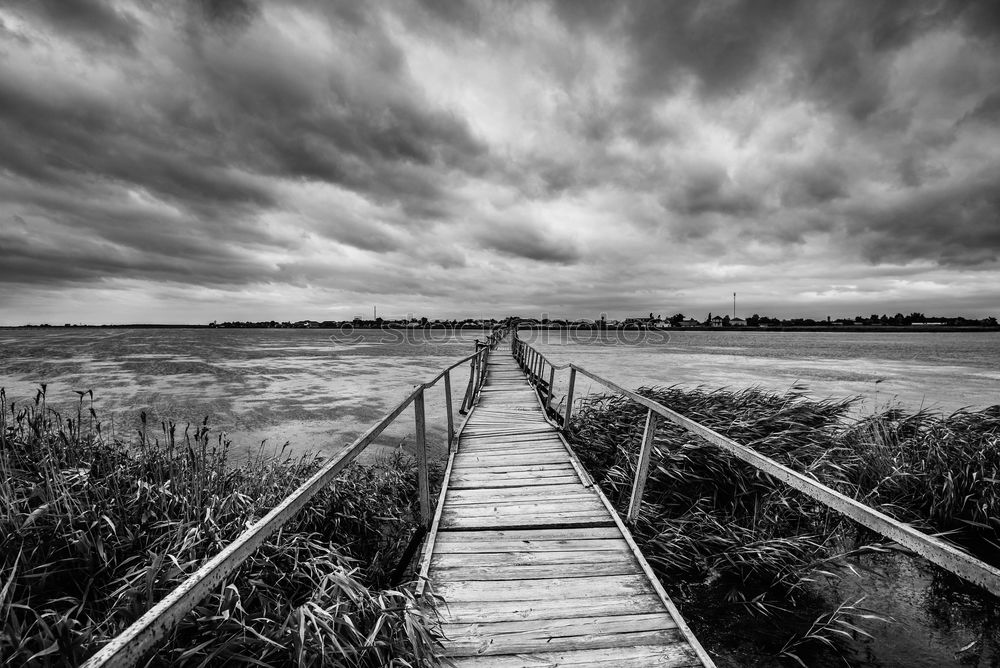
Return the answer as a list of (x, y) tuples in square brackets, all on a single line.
[(95, 529), (738, 545)]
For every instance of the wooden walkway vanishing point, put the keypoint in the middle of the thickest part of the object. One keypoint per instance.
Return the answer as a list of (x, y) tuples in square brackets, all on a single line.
[(532, 565)]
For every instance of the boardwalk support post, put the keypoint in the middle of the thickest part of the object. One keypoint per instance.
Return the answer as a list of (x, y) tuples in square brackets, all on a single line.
[(448, 408), (548, 397), (422, 479), (467, 400), (569, 397), (642, 467)]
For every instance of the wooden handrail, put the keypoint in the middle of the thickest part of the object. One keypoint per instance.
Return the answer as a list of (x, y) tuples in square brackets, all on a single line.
[(133, 643), (935, 550)]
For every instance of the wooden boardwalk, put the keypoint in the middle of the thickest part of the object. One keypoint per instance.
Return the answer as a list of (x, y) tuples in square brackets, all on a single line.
[(533, 566)]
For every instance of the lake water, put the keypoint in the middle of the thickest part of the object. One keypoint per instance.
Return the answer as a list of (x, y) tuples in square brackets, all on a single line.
[(318, 389), (942, 371)]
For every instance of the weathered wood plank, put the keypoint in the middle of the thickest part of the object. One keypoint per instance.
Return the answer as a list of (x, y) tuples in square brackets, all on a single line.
[(573, 625), (675, 655), (483, 496), (514, 462), (590, 505), (592, 568), (511, 482), (549, 519), (540, 642), (529, 536), (514, 590), (595, 546), (456, 612), (523, 558), (460, 495), (537, 474)]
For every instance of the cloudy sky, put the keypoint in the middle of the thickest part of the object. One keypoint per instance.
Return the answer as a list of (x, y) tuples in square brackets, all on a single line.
[(185, 162)]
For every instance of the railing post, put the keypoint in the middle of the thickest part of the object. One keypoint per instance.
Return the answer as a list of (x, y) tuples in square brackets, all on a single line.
[(569, 397), (478, 359), (552, 378), (467, 399), (448, 407), (475, 378), (423, 484), (642, 466)]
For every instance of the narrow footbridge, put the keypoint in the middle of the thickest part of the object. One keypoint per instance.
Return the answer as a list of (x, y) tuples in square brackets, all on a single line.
[(526, 561), (531, 563)]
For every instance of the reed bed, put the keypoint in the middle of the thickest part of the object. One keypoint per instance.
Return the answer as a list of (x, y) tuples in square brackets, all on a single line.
[(94, 529), (743, 550)]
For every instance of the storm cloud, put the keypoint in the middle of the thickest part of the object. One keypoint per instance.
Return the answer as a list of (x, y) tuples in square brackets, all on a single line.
[(204, 160)]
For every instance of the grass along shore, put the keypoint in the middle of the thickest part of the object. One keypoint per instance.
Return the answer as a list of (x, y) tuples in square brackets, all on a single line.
[(94, 529), (744, 555)]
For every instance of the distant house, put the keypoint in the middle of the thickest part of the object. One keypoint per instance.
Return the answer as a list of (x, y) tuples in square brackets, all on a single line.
[(737, 322), (690, 322), (716, 321)]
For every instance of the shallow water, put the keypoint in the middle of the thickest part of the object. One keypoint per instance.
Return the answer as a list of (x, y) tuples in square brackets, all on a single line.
[(316, 389), (940, 371)]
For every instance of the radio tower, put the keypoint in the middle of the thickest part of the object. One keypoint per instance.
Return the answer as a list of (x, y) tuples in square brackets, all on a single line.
[(734, 306)]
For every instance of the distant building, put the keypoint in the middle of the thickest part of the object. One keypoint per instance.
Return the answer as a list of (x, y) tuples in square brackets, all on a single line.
[(738, 322), (716, 321), (690, 322)]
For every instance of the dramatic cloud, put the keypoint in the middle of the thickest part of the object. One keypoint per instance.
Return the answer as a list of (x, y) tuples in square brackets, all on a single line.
[(241, 159)]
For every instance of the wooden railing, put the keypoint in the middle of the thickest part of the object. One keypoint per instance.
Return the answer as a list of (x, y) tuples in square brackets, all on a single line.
[(132, 644), (541, 372)]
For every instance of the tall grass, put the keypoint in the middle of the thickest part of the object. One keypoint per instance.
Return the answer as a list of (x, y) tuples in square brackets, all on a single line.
[(734, 542), (95, 529)]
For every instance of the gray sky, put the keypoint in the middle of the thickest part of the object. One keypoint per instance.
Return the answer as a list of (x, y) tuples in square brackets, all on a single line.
[(185, 162)]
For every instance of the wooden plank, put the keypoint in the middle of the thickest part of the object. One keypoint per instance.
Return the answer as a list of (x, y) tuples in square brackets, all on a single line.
[(538, 641), (484, 497), (539, 475), (512, 482), (550, 608), (575, 625), (492, 559), (516, 449), (512, 462), (513, 449), (564, 488), (530, 536), (591, 505), (564, 588), (640, 656), (502, 520), (594, 546), (500, 440), (620, 566), (493, 474), (521, 467)]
